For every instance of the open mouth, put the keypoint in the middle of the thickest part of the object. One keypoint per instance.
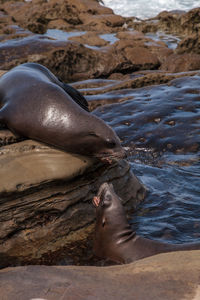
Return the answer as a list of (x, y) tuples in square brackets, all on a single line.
[(110, 157), (100, 195), (96, 201)]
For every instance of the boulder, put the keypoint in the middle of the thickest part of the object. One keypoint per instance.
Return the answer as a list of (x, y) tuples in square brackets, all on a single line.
[(181, 62), (72, 61), (46, 198), (69, 60), (176, 22), (90, 38), (190, 44), (170, 276), (65, 14)]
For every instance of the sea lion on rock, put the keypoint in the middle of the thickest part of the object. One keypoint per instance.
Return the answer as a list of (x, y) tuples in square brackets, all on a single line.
[(35, 104), (115, 240)]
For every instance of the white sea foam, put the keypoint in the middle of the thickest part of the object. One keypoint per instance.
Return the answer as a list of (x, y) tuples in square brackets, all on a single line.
[(148, 8)]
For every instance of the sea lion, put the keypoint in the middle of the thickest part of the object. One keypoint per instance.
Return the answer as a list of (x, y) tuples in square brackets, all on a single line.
[(114, 238), (35, 104)]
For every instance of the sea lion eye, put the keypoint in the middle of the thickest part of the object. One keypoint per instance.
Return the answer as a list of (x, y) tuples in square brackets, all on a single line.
[(103, 222), (93, 134), (107, 200), (111, 143)]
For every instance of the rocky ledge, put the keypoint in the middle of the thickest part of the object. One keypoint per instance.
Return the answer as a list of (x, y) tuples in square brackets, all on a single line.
[(172, 276), (45, 200)]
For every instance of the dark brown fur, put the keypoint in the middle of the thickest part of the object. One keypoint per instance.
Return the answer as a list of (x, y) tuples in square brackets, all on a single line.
[(114, 238), (35, 104)]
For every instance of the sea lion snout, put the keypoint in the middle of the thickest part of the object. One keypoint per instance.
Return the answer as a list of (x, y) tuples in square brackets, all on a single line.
[(103, 197)]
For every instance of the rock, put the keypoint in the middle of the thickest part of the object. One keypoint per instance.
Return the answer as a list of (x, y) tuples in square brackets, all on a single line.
[(65, 14), (90, 38), (190, 22), (176, 22), (170, 276), (190, 44), (133, 53), (72, 61), (106, 23), (76, 61), (46, 199), (181, 63), (131, 35)]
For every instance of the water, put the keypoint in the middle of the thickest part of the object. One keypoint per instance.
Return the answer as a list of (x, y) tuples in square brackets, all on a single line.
[(171, 210), (163, 121), (61, 35), (146, 9), (170, 40)]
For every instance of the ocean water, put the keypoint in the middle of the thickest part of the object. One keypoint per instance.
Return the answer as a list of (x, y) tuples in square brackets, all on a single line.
[(166, 161), (146, 9)]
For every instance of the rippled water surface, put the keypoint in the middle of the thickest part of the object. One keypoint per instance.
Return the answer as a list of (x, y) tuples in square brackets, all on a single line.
[(172, 209), (162, 126)]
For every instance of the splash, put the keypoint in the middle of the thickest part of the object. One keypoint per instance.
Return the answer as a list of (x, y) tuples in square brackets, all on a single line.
[(135, 8)]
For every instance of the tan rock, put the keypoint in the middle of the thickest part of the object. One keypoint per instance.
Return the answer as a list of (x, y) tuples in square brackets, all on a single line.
[(46, 199), (176, 22), (181, 63), (190, 44), (172, 276), (90, 38), (41, 15), (130, 35)]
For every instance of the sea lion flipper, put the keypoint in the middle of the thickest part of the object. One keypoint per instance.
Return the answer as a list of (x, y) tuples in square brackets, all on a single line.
[(76, 96)]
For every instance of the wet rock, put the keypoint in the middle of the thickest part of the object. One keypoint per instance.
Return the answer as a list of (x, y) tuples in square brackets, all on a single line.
[(181, 63), (72, 61), (90, 38), (131, 35), (133, 51), (68, 60), (190, 22), (65, 14), (153, 278), (46, 198), (137, 53), (106, 23), (176, 22), (190, 44)]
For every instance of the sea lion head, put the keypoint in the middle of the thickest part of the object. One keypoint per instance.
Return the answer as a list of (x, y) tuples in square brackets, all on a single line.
[(112, 229), (98, 139)]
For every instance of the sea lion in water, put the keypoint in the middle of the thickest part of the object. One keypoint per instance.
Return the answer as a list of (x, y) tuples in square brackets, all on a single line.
[(115, 240), (35, 104)]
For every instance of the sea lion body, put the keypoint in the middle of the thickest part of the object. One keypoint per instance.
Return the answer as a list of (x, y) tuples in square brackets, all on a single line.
[(114, 238), (35, 104)]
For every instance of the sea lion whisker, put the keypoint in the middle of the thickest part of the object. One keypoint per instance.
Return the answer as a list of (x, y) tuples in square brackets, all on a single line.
[(125, 236)]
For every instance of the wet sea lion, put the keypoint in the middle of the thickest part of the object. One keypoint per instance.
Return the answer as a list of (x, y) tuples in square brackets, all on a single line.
[(115, 240), (35, 104)]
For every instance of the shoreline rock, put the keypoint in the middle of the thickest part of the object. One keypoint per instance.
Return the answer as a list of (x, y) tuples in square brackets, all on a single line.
[(89, 55), (72, 61), (46, 199), (154, 278)]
